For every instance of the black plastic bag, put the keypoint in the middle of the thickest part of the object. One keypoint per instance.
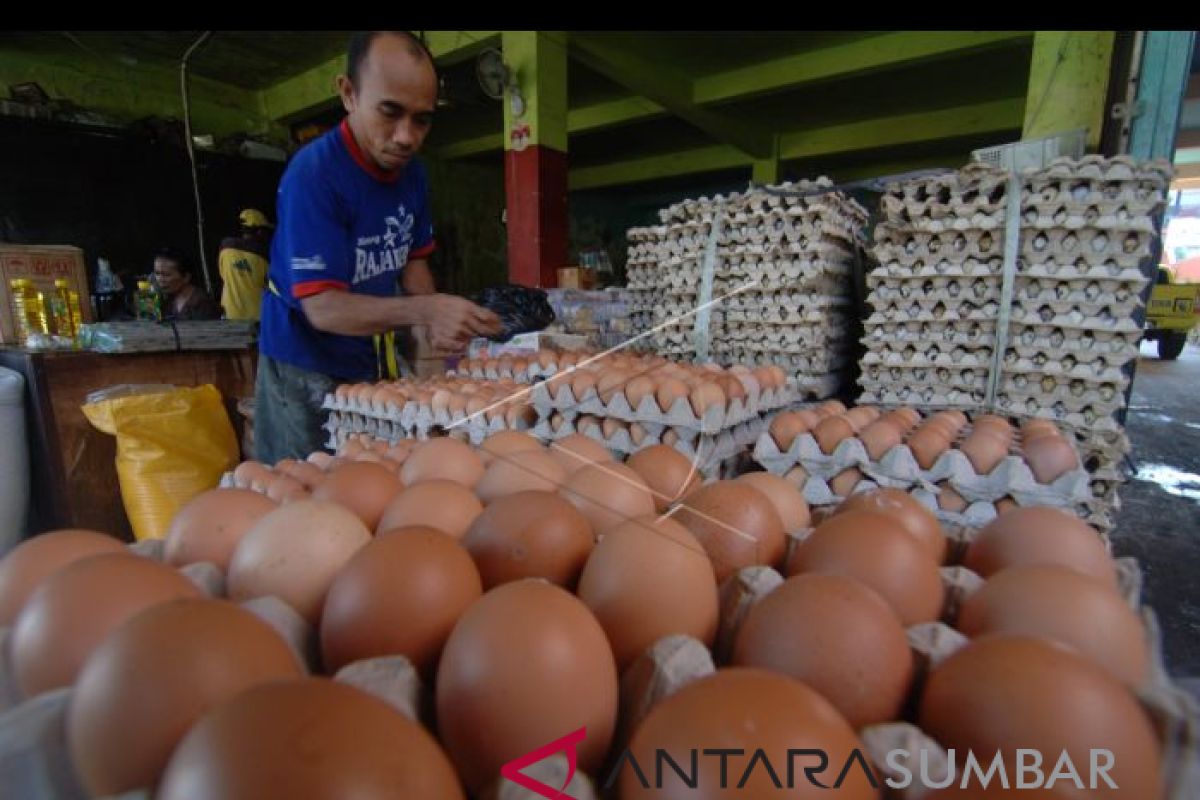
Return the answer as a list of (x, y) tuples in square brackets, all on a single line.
[(522, 309)]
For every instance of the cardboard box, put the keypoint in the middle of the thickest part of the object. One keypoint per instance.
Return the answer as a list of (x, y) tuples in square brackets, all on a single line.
[(576, 278), (42, 264)]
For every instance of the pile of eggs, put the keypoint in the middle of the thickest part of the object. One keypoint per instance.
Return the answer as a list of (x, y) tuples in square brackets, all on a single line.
[(986, 440), (441, 396), (521, 582)]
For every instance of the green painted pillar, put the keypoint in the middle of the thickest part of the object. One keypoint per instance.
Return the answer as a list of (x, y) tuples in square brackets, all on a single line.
[(1068, 83), (766, 170), (535, 157)]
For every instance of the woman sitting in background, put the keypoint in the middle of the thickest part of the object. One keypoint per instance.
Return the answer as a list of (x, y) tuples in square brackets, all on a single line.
[(182, 298)]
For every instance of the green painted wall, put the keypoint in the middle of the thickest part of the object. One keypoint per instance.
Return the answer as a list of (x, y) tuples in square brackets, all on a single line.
[(1068, 83)]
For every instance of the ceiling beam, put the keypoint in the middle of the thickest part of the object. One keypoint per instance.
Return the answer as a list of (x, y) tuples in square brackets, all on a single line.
[(315, 89), (864, 56), (897, 130), (669, 88)]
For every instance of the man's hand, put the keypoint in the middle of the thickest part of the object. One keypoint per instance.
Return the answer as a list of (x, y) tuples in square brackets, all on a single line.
[(453, 321)]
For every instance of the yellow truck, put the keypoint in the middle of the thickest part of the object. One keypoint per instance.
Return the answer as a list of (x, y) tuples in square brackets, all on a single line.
[(1173, 310)]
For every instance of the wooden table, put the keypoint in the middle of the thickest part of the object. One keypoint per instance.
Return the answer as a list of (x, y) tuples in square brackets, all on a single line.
[(73, 465)]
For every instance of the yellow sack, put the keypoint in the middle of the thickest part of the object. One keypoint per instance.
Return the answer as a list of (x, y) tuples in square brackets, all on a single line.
[(172, 444)]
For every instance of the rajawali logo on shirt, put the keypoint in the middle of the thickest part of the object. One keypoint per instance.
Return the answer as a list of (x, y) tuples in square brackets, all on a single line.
[(388, 252)]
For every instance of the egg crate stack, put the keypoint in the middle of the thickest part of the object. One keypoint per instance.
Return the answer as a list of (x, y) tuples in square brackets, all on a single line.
[(406, 409), (935, 294), (642, 274), (679, 253), (832, 453), (799, 252), (1086, 226), (625, 410)]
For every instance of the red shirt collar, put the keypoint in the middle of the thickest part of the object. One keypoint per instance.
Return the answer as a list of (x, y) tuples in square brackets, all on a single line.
[(361, 158)]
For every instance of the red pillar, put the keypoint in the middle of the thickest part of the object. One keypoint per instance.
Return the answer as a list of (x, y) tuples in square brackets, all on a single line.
[(535, 183)]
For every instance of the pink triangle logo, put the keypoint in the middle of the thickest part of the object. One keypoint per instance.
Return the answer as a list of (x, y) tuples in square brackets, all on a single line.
[(512, 770)]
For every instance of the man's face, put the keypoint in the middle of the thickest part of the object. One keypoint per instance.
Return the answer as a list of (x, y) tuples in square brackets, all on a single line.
[(168, 276), (391, 109)]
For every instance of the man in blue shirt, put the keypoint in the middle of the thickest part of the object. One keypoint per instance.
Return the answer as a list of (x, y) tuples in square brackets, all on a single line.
[(353, 219)]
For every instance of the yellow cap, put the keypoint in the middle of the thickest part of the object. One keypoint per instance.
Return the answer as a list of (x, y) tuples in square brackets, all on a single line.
[(62, 283), (144, 285), (253, 218)]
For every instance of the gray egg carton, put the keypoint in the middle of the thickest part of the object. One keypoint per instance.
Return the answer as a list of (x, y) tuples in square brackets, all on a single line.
[(875, 393)]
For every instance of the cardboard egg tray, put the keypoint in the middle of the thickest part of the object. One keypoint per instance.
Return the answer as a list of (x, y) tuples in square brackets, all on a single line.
[(898, 468), (972, 334), (1174, 713), (679, 415), (922, 377), (897, 292), (910, 269)]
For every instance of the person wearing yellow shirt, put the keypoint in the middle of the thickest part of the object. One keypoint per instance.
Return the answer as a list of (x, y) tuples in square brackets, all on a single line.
[(243, 263)]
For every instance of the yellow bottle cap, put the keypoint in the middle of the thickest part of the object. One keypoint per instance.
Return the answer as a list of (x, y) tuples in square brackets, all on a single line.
[(144, 285), (62, 283)]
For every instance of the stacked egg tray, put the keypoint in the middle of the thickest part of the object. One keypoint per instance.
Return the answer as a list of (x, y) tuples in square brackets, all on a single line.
[(716, 439), (642, 274), (828, 478), (785, 262), (1086, 227), (415, 408)]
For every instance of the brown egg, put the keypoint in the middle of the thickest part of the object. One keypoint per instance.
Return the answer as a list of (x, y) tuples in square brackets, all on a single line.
[(1036, 428), (669, 391), (445, 505), (154, 677), (30, 563), (747, 711), (737, 525), (669, 473), (307, 473), (309, 737), (985, 450), (210, 526), (530, 534), (526, 663), (797, 476), (1040, 535), (611, 426), (830, 408), (443, 459), (577, 451), (877, 550), (363, 488), (731, 387), (248, 472), (951, 422), (608, 494), (997, 425), (785, 427), (611, 382), (862, 416), (399, 595), (830, 432), (927, 445), (787, 499), (1004, 505), (879, 437), (1050, 457), (1003, 692), (842, 484), (294, 553), (320, 460), (911, 513), (706, 395), (505, 443), (527, 470), (581, 381), (77, 607), (286, 489), (1065, 606), (638, 389), (838, 637), (646, 579), (911, 416), (950, 500)]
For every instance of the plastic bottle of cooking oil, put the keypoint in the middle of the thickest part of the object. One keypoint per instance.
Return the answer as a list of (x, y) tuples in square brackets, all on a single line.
[(146, 302), (29, 306), (60, 312), (63, 287)]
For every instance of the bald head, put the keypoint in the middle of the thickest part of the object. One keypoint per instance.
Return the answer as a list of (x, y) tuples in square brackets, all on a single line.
[(360, 49)]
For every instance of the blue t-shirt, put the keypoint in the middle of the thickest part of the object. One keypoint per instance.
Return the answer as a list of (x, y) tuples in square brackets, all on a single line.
[(342, 223)]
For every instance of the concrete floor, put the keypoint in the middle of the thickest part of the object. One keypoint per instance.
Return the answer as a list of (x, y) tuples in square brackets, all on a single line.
[(1159, 521)]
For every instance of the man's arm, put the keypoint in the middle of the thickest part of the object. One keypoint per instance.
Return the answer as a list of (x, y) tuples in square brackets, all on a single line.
[(452, 321), (417, 278)]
